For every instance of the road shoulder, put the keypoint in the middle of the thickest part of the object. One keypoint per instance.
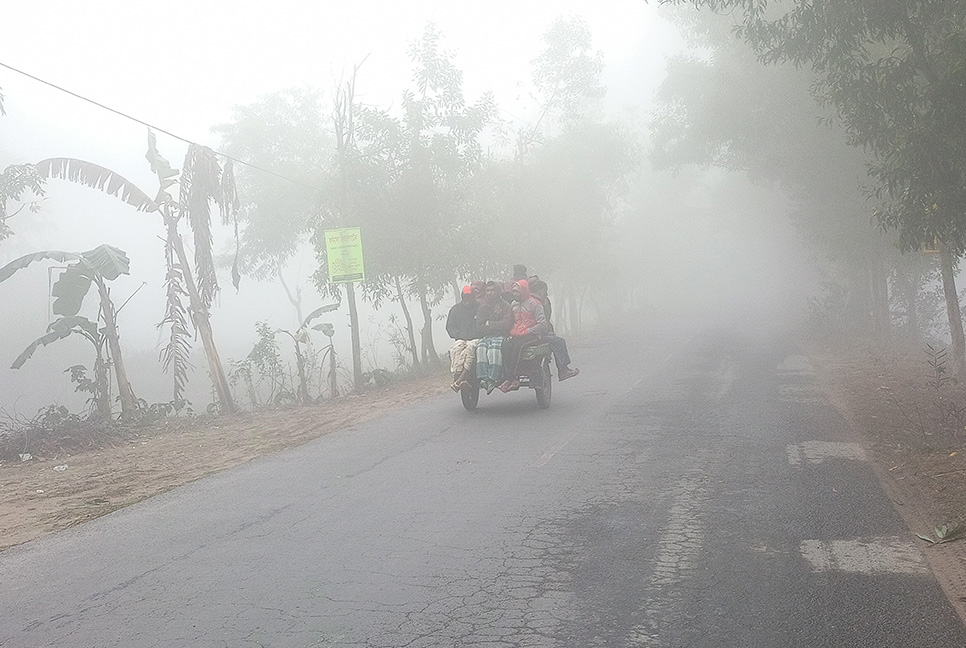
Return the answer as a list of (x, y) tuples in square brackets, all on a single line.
[(888, 406), (46, 494)]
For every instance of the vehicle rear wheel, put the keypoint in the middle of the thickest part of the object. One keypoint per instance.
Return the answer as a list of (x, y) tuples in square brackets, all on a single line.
[(543, 393), (470, 395)]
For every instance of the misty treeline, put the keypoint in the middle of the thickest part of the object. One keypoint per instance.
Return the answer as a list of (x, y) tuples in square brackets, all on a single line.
[(437, 202), (853, 109), (858, 109), (442, 188)]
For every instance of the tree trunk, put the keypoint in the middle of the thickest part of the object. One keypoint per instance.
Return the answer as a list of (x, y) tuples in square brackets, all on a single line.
[(202, 324), (409, 323), (573, 310), (128, 401), (295, 300), (303, 381), (333, 377), (426, 334), (907, 287), (342, 117), (350, 292), (953, 311), (561, 313), (881, 320), (102, 399), (858, 302), (457, 292), (912, 307)]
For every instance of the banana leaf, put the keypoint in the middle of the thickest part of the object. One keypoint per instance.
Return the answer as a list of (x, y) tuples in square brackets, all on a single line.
[(8, 270), (58, 330), (70, 289), (97, 177), (319, 311), (108, 261)]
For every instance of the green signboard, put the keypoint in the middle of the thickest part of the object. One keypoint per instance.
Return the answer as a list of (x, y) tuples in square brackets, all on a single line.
[(343, 249)]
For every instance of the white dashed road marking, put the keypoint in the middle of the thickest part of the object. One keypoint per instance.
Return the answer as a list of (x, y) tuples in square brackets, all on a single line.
[(795, 364), (807, 393), (815, 452), (891, 555)]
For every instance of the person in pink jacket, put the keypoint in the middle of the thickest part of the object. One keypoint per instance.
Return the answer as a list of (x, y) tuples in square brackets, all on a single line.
[(529, 323)]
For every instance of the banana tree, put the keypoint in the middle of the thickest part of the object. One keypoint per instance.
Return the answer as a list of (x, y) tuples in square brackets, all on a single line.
[(64, 327), (200, 182), (92, 268), (301, 336)]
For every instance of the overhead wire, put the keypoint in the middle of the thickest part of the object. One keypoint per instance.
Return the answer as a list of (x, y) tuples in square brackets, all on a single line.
[(153, 127)]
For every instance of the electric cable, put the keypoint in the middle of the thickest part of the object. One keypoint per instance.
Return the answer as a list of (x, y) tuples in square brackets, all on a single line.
[(153, 127)]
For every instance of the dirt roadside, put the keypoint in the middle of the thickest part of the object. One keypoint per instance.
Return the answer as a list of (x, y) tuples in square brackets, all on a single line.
[(51, 493), (914, 427)]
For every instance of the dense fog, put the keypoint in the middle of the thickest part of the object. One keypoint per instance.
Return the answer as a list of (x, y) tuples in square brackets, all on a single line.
[(602, 192)]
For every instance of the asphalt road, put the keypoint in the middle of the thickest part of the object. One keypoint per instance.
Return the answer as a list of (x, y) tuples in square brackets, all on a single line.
[(686, 490)]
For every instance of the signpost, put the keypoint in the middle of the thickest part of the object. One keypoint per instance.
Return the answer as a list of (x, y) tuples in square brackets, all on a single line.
[(343, 249)]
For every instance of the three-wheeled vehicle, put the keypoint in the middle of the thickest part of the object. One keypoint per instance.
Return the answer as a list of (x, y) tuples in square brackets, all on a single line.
[(534, 370)]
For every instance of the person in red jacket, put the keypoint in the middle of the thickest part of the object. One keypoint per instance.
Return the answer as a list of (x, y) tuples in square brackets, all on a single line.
[(529, 323)]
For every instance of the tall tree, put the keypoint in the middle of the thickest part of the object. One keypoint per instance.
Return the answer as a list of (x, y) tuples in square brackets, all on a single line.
[(440, 151), (723, 109), (566, 76), (411, 173), (287, 134), (343, 121), (562, 183), (894, 72), (200, 183)]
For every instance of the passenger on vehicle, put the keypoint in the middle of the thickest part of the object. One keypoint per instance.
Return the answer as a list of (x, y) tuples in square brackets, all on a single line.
[(558, 345), (494, 319), (519, 272), (461, 326), (529, 323), (479, 287)]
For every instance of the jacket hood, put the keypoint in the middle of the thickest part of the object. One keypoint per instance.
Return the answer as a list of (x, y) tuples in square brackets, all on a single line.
[(524, 289)]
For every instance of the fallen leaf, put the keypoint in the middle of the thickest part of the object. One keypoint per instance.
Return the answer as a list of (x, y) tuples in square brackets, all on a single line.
[(953, 454)]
